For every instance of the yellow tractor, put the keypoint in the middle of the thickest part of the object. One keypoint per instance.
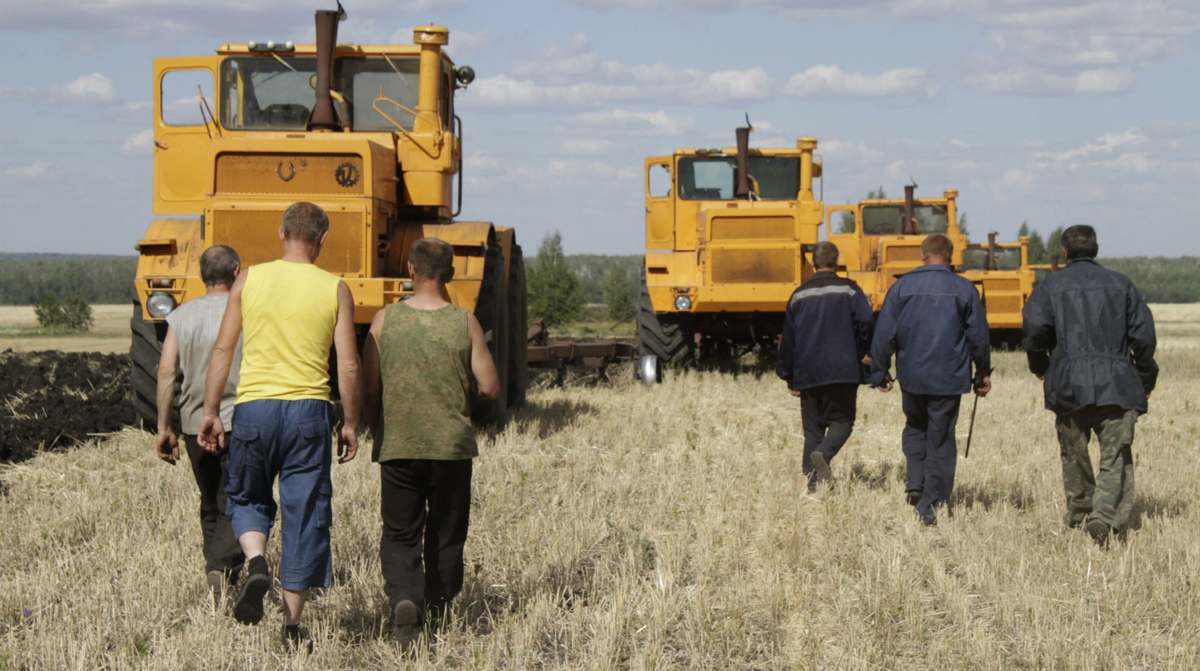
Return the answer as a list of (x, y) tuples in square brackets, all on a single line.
[(726, 238), (880, 239), (370, 134)]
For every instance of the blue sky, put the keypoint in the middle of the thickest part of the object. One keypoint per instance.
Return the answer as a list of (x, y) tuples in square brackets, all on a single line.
[(1048, 111)]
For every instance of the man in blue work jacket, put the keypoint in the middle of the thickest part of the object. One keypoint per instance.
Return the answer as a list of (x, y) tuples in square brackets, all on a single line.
[(822, 357), (934, 322)]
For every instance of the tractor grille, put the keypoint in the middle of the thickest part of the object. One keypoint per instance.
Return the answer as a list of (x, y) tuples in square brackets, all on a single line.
[(904, 254), (1006, 284), (254, 234), (290, 174), (752, 228), (753, 266), (1005, 303)]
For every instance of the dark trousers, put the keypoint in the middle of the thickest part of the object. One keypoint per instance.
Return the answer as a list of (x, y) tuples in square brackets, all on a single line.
[(827, 415), (221, 549), (930, 449), (425, 505), (1108, 497)]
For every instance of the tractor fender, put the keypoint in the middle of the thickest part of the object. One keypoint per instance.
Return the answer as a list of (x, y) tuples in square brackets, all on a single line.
[(170, 252)]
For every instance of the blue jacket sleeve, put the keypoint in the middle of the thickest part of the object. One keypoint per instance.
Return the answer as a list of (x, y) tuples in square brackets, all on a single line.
[(1142, 340), (784, 360), (1038, 322), (883, 342), (978, 336)]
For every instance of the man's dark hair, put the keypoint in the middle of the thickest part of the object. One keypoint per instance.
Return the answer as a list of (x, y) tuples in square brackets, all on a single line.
[(432, 259), (1080, 242), (938, 245), (825, 255), (306, 222), (217, 264)]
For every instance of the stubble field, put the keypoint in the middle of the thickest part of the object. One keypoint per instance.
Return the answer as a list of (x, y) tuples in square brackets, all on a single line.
[(626, 527)]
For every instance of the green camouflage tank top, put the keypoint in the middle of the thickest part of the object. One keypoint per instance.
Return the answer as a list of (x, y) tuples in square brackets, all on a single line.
[(424, 361)]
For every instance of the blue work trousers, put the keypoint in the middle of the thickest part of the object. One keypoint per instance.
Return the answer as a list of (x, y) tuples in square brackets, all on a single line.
[(930, 449), (289, 440)]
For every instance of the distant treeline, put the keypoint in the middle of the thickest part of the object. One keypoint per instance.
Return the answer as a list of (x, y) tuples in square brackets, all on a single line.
[(26, 278)]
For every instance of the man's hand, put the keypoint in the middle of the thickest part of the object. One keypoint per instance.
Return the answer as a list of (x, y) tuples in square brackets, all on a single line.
[(347, 444), (1041, 377), (984, 386), (866, 360), (212, 434), (886, 385), (794, 392), (168, 446)]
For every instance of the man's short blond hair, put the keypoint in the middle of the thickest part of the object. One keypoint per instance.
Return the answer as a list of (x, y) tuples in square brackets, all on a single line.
[(938, 245), (432, 259)]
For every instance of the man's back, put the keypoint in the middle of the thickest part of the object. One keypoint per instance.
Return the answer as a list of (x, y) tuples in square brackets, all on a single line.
[(196, 324), (425, 364), (826, 334), (934, 321), (289, 311), (1090, 333)]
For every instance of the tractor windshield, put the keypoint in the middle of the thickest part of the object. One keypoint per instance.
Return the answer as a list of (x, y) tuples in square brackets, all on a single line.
[(714, 177), (889, 219), (263, 93)]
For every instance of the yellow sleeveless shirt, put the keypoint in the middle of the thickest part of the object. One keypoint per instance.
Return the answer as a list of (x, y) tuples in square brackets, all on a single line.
[(288, 314)]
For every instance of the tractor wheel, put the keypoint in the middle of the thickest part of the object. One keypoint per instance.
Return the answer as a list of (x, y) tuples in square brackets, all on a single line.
[(145, 349), (661, 335), (518, 329), (491, 309)]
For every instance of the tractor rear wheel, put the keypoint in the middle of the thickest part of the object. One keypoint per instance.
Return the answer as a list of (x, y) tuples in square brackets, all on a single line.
[(518, 328), (661, 335), (491, 309), (145, 349)]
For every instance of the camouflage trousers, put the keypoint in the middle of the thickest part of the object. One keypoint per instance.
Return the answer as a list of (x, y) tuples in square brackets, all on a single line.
[(1108, 498)]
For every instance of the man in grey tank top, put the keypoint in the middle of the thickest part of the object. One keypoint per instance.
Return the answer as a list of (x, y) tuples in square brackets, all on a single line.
[(191, 332), (422, 359)]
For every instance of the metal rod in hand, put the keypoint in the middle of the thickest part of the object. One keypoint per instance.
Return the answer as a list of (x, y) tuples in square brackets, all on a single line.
[(971, 431)]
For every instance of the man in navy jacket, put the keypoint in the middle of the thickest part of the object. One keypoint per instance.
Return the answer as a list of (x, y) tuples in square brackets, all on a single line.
[(826, 335), (1090, 336), (934, 322)]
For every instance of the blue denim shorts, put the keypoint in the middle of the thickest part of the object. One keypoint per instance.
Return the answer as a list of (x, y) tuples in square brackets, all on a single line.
[(292, 441)]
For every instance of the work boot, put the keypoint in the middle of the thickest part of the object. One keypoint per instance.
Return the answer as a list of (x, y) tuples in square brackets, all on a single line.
[(824, 473), (217, 586), (248, 609), (1099, 530), (293, 638), (913, 496), (407, 624)]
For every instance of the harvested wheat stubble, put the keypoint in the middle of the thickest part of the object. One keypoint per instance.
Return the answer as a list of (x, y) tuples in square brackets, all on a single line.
[(622, 526), (55, 400)]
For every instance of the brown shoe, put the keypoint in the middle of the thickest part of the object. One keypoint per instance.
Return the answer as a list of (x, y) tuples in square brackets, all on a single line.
[(821, 466), (913, 496), (407, 624), (1099, 531)]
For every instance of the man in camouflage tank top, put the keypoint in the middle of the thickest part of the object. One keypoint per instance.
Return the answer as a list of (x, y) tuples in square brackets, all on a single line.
[(422, 359)]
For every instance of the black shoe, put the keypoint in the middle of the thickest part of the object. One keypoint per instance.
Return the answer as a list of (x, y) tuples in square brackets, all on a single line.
[(408, 624), (217, 586), (1099, 531), (820, 466), (248, 609), (293, 638), (913, 496)]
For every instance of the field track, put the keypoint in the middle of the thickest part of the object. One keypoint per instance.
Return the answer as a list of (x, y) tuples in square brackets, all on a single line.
[(626, 527)]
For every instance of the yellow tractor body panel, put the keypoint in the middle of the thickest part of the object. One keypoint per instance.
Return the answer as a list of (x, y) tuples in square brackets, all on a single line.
[(180, 152), (169, 260)]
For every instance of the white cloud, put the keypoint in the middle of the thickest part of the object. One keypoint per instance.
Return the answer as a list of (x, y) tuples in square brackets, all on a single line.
[(585, 147), (37, 169), (1104, 144), (829, 81), (93, 88), (626, 123), (141, 144), (960, 144), (1036, 82)]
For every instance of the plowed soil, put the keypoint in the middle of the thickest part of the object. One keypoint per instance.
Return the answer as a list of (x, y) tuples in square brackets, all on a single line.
[(54, 400)]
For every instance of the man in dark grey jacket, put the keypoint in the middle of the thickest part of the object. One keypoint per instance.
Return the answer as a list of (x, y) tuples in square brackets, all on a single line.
[(826, 336), (933, 321), (1090, 336)]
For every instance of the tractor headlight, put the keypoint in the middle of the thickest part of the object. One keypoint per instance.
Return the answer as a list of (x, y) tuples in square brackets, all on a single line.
[(683, 303), (160, 304)]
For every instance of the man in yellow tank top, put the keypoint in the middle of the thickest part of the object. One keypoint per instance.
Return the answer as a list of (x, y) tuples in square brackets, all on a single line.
[(423, 356), (289, 313)]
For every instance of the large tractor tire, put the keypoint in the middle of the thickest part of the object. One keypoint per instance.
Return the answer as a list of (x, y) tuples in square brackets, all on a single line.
[(491, 309), (661, 335), (145, 349), (518, 329)]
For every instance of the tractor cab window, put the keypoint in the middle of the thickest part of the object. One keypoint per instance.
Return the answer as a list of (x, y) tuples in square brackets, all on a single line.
[(262, 93), (1007, 258), (889, 219), (714, 177)]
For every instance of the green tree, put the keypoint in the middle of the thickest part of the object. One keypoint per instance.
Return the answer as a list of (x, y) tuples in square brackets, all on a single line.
[(73, 314), (1054, 246), (962, 226), (1037, 246), (554, 291), (618, 293)]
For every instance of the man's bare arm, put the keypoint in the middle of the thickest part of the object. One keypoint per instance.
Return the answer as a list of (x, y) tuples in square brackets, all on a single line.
[(345, 343), (212, 432), (168, 369), (372, 382), (483, 367)]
